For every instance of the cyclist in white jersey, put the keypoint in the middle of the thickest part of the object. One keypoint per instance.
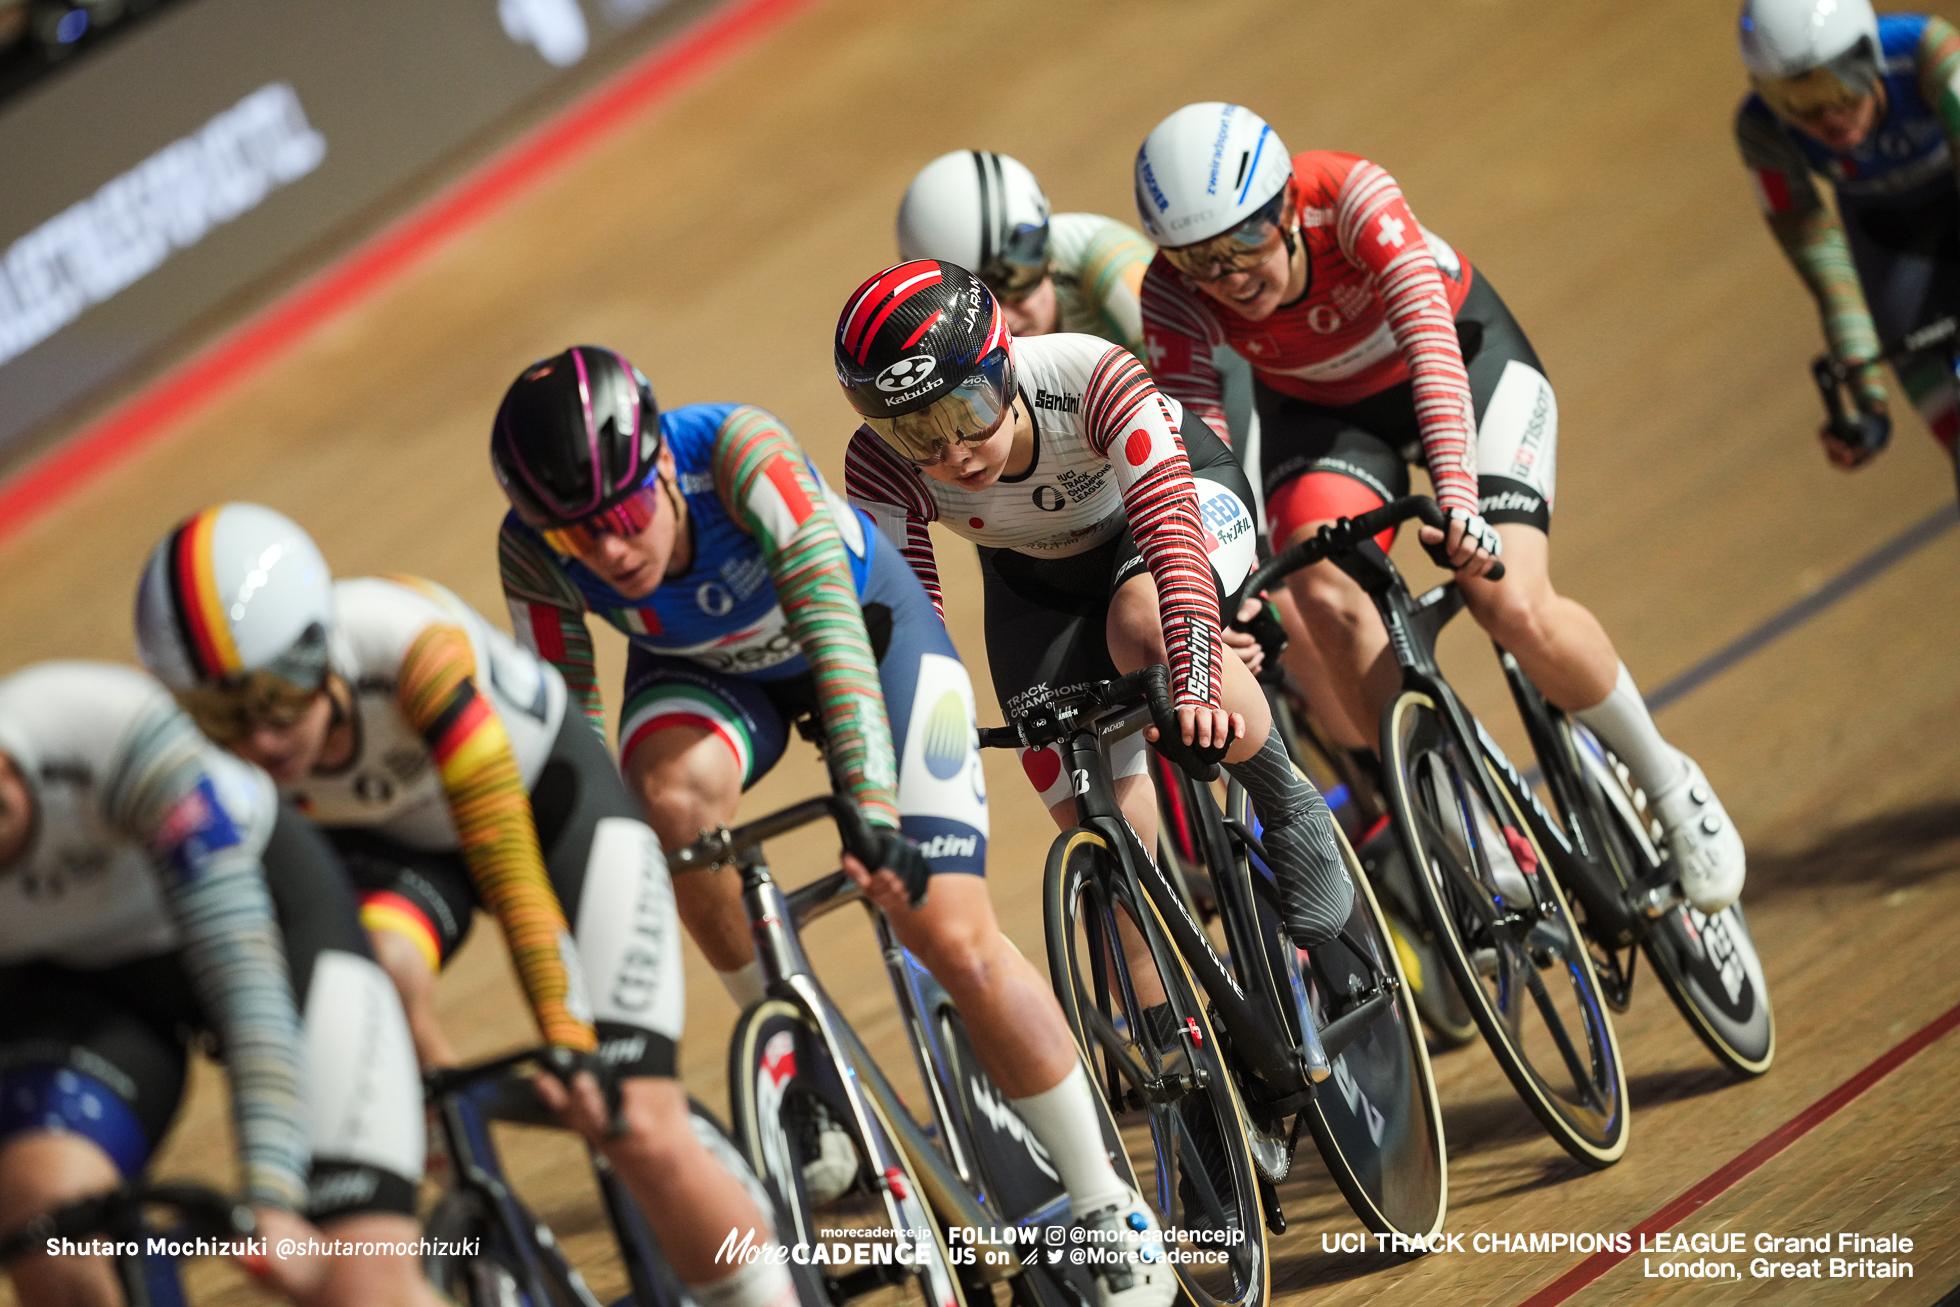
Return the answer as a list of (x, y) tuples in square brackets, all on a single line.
[(441, 758), (1102, 551), (1075, 273), (151, 887)]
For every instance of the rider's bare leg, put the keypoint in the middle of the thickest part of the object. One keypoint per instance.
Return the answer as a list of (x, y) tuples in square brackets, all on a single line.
[(689, 781)]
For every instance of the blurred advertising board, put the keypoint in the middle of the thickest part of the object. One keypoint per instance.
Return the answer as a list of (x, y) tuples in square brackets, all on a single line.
[(149, 182)]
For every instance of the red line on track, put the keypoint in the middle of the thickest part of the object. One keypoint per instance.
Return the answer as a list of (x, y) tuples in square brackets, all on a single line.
[(654, 77), (1761, 1151)]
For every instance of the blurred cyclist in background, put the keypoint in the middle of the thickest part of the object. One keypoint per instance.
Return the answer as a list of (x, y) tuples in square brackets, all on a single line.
[(153, 890), (1374, 345), (450, 772), (752, 597), (1871, 104)]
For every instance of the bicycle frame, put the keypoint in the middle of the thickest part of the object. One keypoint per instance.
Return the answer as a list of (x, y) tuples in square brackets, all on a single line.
[(776, 920), (1249, 1020)]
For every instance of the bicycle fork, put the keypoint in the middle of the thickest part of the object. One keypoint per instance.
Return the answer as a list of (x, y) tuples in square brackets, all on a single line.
[(786, 973)]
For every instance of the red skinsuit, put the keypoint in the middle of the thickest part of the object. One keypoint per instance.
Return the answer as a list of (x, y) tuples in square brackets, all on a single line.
[(1379, 309)]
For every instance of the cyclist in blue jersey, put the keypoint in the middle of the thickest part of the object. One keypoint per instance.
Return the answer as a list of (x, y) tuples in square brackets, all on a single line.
[(1872, 104), (752, 596)]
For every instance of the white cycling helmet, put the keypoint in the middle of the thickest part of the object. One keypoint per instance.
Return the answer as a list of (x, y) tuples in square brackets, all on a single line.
[(1805, 55), (1206, 169), (982, 211), (235, 597)]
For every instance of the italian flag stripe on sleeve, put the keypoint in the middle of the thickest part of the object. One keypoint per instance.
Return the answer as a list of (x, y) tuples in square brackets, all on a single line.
[(1772, 190), (778, 498)]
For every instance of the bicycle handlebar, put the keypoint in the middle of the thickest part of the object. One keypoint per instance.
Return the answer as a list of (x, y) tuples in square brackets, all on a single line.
[(203, 1212), (1343, 536), (721, 847), (1832, 376), (1149, 686)]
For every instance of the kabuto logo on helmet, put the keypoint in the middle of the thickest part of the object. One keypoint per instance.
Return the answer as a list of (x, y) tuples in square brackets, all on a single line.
[(905, 374)]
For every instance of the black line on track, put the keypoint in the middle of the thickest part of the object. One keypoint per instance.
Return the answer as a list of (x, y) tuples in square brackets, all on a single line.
[(1851, 579)]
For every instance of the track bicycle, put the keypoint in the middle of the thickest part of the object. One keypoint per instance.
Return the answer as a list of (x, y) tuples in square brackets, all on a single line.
[(490, 1250), (1353, 796), (795, 1062), (1517, 951), (130, 1217), (1204, 1061)]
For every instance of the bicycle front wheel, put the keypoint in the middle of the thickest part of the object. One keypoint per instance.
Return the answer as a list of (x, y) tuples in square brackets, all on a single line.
[(1708, 965), (1147, 1039), (784, 1088), (1513, 946), (1377, 1122)]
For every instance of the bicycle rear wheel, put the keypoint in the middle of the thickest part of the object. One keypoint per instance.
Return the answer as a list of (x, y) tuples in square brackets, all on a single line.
[(1158, 1065), (1708, 965), (1514, 948), (781, 1077), (1377, 1122)]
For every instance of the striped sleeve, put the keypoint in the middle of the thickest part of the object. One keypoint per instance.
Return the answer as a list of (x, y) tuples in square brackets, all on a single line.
[(884, 485), (214, 884), (1377, 232), (766, 485), (1812, 239), (548, 615), (494, 829), (1938, 58), (1179, 333), (1110, 276), (1131, 424)]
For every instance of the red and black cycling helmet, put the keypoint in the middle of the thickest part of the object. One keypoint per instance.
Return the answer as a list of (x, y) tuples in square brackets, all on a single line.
[(575, 437), (925, 356)]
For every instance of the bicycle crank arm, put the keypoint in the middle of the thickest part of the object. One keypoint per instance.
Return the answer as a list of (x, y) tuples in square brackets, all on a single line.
[(1337, 1034)]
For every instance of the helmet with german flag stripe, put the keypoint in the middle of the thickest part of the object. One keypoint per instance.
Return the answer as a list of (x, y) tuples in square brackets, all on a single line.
[(237, 602), (924, 355)]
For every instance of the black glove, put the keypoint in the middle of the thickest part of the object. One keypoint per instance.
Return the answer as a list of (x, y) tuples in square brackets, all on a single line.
[(1266, 629), (902, 859), (564, 1064)]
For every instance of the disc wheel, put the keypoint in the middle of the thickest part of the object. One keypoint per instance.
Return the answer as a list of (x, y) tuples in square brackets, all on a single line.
[(1377, 1122), (1708, 965), (1509, 939), (1148, 1042), (781, 1082)]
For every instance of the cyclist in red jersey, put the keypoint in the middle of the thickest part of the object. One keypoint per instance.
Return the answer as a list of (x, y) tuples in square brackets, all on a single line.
[(1373, 346)]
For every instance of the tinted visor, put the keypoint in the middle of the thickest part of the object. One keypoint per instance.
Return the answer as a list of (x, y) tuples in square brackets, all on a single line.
[(964, 415), (1243, 247), (1019, 267), (628, 517), (227, 713), (1838, 85)]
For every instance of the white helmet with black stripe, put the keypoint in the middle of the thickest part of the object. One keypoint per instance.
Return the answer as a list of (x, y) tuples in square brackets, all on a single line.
[(984, 212)]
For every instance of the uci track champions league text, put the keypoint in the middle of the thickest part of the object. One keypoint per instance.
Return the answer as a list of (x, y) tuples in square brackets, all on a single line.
[(1671, 1255)]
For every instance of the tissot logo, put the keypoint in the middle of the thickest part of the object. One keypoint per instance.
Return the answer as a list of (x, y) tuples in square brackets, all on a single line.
[(1060, 403), (905, 373)]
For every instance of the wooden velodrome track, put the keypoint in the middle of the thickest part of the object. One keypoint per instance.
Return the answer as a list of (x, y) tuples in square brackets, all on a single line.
[(1579, 154)]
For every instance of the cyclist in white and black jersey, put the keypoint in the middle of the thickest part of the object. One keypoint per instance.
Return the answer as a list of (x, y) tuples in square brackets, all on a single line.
[(151, 887), (1109, 529)]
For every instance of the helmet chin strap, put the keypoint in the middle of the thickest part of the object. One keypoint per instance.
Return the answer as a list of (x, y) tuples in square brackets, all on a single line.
[(683, 521)]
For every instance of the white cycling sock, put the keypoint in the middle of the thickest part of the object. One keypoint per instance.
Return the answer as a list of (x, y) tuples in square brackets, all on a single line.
[(757, 1284), (1622, 721), (1065, 1123), (744, 985)]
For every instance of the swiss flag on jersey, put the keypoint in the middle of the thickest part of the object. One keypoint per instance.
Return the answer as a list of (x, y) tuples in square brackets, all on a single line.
[(1168, 354)]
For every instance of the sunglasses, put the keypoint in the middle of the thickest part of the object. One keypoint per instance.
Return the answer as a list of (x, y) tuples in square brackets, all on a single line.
[(969, 414), (228, 713), (628, 517), (1241, 249)]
